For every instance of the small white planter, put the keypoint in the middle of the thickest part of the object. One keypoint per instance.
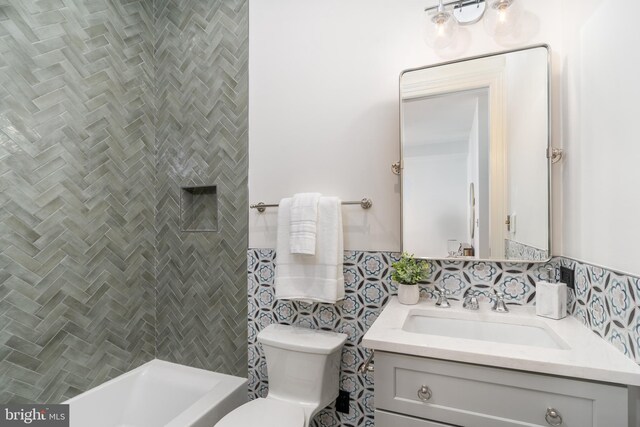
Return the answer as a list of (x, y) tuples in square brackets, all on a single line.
[(408, 294)]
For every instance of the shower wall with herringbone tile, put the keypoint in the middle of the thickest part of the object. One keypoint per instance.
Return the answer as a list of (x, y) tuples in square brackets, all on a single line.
[(107, 107), (201, 80), (76, 194)]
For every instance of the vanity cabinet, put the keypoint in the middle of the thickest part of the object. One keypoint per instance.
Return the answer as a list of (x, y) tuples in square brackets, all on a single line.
[(422, 392), (394, 420)]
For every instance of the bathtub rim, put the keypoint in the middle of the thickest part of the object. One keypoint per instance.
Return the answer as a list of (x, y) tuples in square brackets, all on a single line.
[(234, 390)]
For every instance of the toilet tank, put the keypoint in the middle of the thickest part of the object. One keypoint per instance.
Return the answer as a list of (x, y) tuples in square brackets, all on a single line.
[(303, 365)]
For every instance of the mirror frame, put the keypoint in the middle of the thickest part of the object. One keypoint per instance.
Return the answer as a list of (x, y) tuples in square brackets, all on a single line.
[(548, 150)]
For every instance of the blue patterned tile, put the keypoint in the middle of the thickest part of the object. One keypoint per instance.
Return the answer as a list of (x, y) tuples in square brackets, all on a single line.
[(582, 283), (598, 315), (252, 356), (252, 261), (514, 268), (326, 418), (619, 338), (252, 331), (581, 314), (373, 265), (393, 256), (265, 254), (265, 296), (350, 306), (373, 294), (253, 379), (355, 415), (516, 289), (455, 284), (620, 300), (451, 265), (566, 262), (571, 301), (350, 360), (598, 274), (369, 316), (327, 316), (350, 257), (368, 401), (483, 272), (285, 312), (265, 319), (634, 335), (265, 273), (263, 390), (351, 330), (635, 286), (426, 293), (351, 278), (349, 383)]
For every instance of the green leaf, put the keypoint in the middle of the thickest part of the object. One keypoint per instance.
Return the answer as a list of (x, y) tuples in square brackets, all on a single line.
[(409, 271)]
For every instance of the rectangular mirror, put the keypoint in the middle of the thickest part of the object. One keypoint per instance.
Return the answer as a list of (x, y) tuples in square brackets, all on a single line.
[(474, 169)]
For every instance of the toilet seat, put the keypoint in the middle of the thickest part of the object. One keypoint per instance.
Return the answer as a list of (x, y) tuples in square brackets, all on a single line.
[(264, 413)]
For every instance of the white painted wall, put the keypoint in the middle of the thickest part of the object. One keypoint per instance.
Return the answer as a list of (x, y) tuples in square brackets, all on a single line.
[(601, 112), (323, 101)]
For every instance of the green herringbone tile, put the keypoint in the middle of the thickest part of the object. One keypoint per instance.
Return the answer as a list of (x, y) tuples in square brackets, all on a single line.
[(77, 172)]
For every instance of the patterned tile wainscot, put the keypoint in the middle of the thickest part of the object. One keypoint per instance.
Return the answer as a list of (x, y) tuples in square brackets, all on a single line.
[(609, 304), (519, 251), (605, 301)]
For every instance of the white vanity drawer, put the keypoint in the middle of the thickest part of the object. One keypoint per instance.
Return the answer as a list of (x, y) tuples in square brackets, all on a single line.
[(479, 396), (386, 419)]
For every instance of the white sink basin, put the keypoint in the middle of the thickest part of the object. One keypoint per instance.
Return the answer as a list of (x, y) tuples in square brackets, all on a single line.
[(484, 330), (517, 340)]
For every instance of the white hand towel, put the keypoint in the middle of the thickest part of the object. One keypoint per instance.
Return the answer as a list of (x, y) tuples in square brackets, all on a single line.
[(303, 221), (316, 277)]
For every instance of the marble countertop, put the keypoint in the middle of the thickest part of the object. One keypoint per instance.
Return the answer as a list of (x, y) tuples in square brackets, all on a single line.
[(587, 357)]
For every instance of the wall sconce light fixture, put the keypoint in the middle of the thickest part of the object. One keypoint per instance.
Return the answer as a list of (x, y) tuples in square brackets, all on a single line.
[(442, 21)]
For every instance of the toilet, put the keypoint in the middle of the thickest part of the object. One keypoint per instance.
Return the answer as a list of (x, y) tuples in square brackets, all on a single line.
[(303, 367)]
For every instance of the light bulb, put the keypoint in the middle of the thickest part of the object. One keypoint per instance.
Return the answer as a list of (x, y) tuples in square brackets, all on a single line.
[(502, 16), (439, 28)]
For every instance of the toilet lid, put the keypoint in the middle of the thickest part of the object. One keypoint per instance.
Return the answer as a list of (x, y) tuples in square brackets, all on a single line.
[(264, 413)]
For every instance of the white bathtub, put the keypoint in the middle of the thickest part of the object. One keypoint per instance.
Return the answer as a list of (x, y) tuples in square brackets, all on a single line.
[(159, 394)]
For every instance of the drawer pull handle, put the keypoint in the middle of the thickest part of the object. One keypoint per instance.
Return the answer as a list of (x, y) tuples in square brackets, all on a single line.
[(553, 417), (424, 393)]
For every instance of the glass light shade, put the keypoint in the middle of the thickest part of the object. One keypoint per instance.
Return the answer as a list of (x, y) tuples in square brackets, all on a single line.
[(440, 29), (502, 16)]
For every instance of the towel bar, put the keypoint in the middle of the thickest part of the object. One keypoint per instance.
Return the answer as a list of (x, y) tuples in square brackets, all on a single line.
[(365, 203)]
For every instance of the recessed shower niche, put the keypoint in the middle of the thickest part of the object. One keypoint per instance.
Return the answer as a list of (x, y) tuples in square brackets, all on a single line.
[(199, 208)]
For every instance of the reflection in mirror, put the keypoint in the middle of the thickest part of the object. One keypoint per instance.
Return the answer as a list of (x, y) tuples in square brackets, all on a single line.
[(474, 164)]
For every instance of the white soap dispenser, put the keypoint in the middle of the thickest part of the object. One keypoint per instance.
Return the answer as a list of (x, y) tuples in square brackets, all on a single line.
[(551, 297)]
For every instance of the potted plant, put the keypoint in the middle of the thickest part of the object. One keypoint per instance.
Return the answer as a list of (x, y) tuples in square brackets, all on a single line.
[(407, 272)]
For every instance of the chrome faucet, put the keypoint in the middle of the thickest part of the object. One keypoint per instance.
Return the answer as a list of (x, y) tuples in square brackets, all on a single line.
[(471, 302), (499, 306), (442, 302)]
